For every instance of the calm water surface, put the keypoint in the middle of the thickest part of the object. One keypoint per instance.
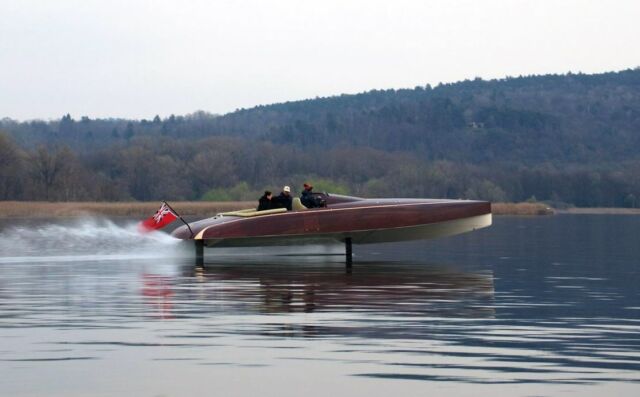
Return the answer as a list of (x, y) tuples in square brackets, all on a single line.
[(529, 307)]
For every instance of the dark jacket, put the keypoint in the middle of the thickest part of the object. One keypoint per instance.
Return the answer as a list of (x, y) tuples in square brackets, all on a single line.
[(264, 203), (307, 199), (282, 201)]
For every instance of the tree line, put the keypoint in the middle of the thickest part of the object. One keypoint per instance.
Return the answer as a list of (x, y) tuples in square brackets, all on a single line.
[(225, 168), (570, 139)]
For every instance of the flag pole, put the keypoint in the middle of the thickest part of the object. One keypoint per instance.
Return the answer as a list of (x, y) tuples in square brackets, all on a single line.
[(180, 217)]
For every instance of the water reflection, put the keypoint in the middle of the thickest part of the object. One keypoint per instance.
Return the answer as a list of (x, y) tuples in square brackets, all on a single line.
[(377, 287), (373, 292), (481, 315)]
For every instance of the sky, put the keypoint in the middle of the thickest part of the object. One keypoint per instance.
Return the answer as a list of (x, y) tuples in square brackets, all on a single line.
[(136, 59)]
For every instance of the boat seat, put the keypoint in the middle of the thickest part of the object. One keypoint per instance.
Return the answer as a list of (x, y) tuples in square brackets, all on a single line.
[(252, 212), (297, 205)]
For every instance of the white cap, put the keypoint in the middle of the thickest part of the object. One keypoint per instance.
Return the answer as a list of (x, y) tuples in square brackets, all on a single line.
[(287, 189)]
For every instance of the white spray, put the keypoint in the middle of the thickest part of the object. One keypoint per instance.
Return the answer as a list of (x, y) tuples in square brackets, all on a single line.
[(83, 239)]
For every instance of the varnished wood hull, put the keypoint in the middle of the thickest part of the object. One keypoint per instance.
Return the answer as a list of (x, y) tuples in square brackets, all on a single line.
[(363, 220)]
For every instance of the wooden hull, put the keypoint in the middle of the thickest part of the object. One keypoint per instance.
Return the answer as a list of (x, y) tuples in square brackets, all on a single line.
[(363, 220)]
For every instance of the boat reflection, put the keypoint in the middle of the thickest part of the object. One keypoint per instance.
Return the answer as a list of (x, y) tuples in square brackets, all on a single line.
[(372, 287), (158, 293)]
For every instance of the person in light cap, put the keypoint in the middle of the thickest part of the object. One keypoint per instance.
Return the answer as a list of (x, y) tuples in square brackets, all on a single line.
[(284, 199)]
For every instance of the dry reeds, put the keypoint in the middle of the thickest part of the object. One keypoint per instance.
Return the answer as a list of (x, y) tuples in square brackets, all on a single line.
[(521, 209), (38, 209), (601, 211)]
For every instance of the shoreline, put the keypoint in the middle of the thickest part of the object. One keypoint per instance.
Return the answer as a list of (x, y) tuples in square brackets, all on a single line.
[(599, 211), (142, 210)]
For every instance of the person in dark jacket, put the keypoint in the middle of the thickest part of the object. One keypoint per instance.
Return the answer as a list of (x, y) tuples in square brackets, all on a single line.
[(306, 198), (265, 201), (284, 199)]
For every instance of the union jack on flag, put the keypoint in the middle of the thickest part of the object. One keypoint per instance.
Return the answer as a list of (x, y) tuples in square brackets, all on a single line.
[(160, 219)]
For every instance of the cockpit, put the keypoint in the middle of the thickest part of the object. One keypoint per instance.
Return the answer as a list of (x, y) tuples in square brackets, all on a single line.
[(322, 200)]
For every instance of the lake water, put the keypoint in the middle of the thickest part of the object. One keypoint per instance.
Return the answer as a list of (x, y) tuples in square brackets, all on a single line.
[(543, 306)]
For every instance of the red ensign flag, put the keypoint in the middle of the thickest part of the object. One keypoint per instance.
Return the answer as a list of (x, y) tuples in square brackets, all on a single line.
[(162, 218)]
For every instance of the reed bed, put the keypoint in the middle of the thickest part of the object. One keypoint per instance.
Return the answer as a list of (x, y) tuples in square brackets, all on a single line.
[(601, 211), (521, 209), (38, 209)]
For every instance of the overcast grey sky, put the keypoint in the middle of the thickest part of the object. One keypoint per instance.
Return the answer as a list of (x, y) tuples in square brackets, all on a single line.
[(141, 58)]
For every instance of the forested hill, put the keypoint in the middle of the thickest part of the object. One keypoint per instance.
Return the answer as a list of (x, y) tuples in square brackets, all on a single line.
[(571, 139), (559, 119)]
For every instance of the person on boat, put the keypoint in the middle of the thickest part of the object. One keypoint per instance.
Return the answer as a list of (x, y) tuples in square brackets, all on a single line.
[(284, 199), (265, 201), (307, 198)]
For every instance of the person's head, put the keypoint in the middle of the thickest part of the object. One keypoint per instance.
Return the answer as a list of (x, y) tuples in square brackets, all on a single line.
[(286, 190), (308, 187), (267, 194)]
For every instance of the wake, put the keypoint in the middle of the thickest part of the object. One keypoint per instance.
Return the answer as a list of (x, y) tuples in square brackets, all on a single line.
[(82, 240)]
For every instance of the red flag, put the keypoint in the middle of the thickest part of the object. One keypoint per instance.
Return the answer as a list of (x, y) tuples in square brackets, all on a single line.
[(162, 218)]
